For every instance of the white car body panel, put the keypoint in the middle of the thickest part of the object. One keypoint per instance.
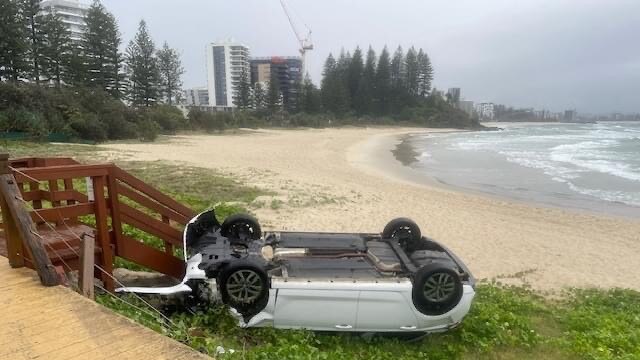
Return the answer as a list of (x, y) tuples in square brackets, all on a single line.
[(383, 306)]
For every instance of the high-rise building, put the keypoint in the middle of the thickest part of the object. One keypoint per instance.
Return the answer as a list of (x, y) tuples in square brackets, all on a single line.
[(287, 70), (197, 96), (72, 13), (226, 60), (570, 116), (485, 111)]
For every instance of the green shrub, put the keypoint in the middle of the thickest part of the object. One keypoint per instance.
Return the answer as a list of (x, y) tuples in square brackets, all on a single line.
[(169, 118), (148, 129), (602, 324)]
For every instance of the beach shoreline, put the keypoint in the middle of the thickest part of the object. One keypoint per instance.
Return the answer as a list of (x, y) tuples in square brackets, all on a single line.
[(348, 180), (382, 154)]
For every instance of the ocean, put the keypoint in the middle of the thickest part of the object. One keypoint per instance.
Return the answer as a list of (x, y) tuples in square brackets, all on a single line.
[(594, 167)]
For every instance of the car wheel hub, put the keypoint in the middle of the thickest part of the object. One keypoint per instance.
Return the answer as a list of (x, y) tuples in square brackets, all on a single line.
[(244, 286), (439, 287)]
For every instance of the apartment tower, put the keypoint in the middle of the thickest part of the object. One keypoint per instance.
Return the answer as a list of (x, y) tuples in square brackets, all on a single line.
[(226, 60)]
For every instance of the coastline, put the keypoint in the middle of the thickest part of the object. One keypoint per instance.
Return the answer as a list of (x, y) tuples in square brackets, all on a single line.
[(348, 180), (384, 153)]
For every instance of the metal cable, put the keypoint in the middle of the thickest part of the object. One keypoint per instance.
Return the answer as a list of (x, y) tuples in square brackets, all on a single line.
[(70, 269), (76, 253)]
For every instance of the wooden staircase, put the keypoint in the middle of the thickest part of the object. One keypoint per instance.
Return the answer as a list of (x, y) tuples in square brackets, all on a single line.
[(68, 201)]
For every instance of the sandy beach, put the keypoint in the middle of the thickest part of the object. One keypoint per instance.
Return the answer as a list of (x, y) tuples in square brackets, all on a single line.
[(348, 180)]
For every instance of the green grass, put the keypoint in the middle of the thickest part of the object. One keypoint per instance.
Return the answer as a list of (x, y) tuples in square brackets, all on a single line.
[(505, 322)]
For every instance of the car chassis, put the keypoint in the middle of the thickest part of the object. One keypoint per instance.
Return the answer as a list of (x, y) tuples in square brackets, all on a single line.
[(395, 281)]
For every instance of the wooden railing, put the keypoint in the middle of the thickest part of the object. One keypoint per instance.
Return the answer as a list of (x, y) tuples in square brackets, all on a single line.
[(67, 199)]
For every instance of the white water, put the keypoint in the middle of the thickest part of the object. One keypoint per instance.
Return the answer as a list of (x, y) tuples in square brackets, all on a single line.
[(590, 162)]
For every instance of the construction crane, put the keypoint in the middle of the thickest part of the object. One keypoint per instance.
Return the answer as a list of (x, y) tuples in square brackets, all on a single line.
[(305, 43)]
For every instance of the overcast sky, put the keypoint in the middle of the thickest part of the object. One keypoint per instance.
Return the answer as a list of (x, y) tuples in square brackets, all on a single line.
[(551, 54)]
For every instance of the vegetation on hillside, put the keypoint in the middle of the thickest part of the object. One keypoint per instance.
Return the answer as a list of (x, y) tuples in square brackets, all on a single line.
[(86, 88)]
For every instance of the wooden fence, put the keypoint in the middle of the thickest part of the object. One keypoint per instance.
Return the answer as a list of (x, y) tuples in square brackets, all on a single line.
[(69, 201)]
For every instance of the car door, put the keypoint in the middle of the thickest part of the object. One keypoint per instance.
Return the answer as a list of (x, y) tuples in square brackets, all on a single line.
[(316, 309), (384, 311)]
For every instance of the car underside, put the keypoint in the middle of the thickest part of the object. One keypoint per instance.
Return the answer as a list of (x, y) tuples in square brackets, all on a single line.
[(393, 281)]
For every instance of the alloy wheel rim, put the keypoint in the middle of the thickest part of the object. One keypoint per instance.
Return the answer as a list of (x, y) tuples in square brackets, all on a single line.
[(244, 286), (439, 287)]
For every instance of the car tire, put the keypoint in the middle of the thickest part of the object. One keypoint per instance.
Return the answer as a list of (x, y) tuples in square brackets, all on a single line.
[(242, 227), (437, 288), (244, 286), (405, 231)]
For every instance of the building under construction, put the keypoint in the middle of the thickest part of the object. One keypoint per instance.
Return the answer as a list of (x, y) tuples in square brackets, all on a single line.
[(286, 70)]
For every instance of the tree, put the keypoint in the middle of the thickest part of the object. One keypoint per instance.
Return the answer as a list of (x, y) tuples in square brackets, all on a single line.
[(143, 68), (56, 49), (13, 47), (274, 96), (309, 98), (334, 92), (242, 96), (170, 72), (32, 22), (363, 103), (399, 98), (383, 82), (101, 43), (425, 73), (259, 96), (398, 69), (412, 68), (354, 73)]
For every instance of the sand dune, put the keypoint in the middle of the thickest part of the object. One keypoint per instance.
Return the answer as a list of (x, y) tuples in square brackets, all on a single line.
[(347, 180)]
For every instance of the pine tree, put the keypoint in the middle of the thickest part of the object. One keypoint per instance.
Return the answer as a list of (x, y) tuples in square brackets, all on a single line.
[(412, 69), (383, 82), (56, 49), (76, 67), (143, 69), (101, 44), (274, 96), (399, 96), (242, 96), (425, 74), (354, 73), (334, 93), (309, 99), (170, 72), (363, 103), (32, 22), (13, 46), (398, 69), (259, 96)]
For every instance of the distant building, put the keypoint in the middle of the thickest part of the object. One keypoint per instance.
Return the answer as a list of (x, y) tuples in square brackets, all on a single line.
[(73, 14), (485, 111), (570, 116), (286, 70), (226, 60), (198, 96), (466, 106)]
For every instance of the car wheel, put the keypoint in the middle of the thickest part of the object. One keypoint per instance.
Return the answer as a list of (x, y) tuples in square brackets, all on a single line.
[(242, 227), (244, 286), (405, 231), (437, 288)]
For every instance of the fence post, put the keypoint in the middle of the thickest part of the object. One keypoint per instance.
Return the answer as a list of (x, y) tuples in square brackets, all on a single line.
[(87, 261), (24, 225), (102, 230), (11, 235)]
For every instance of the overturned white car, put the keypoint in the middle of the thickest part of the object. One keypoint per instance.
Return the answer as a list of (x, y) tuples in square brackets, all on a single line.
[(396, 281)]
